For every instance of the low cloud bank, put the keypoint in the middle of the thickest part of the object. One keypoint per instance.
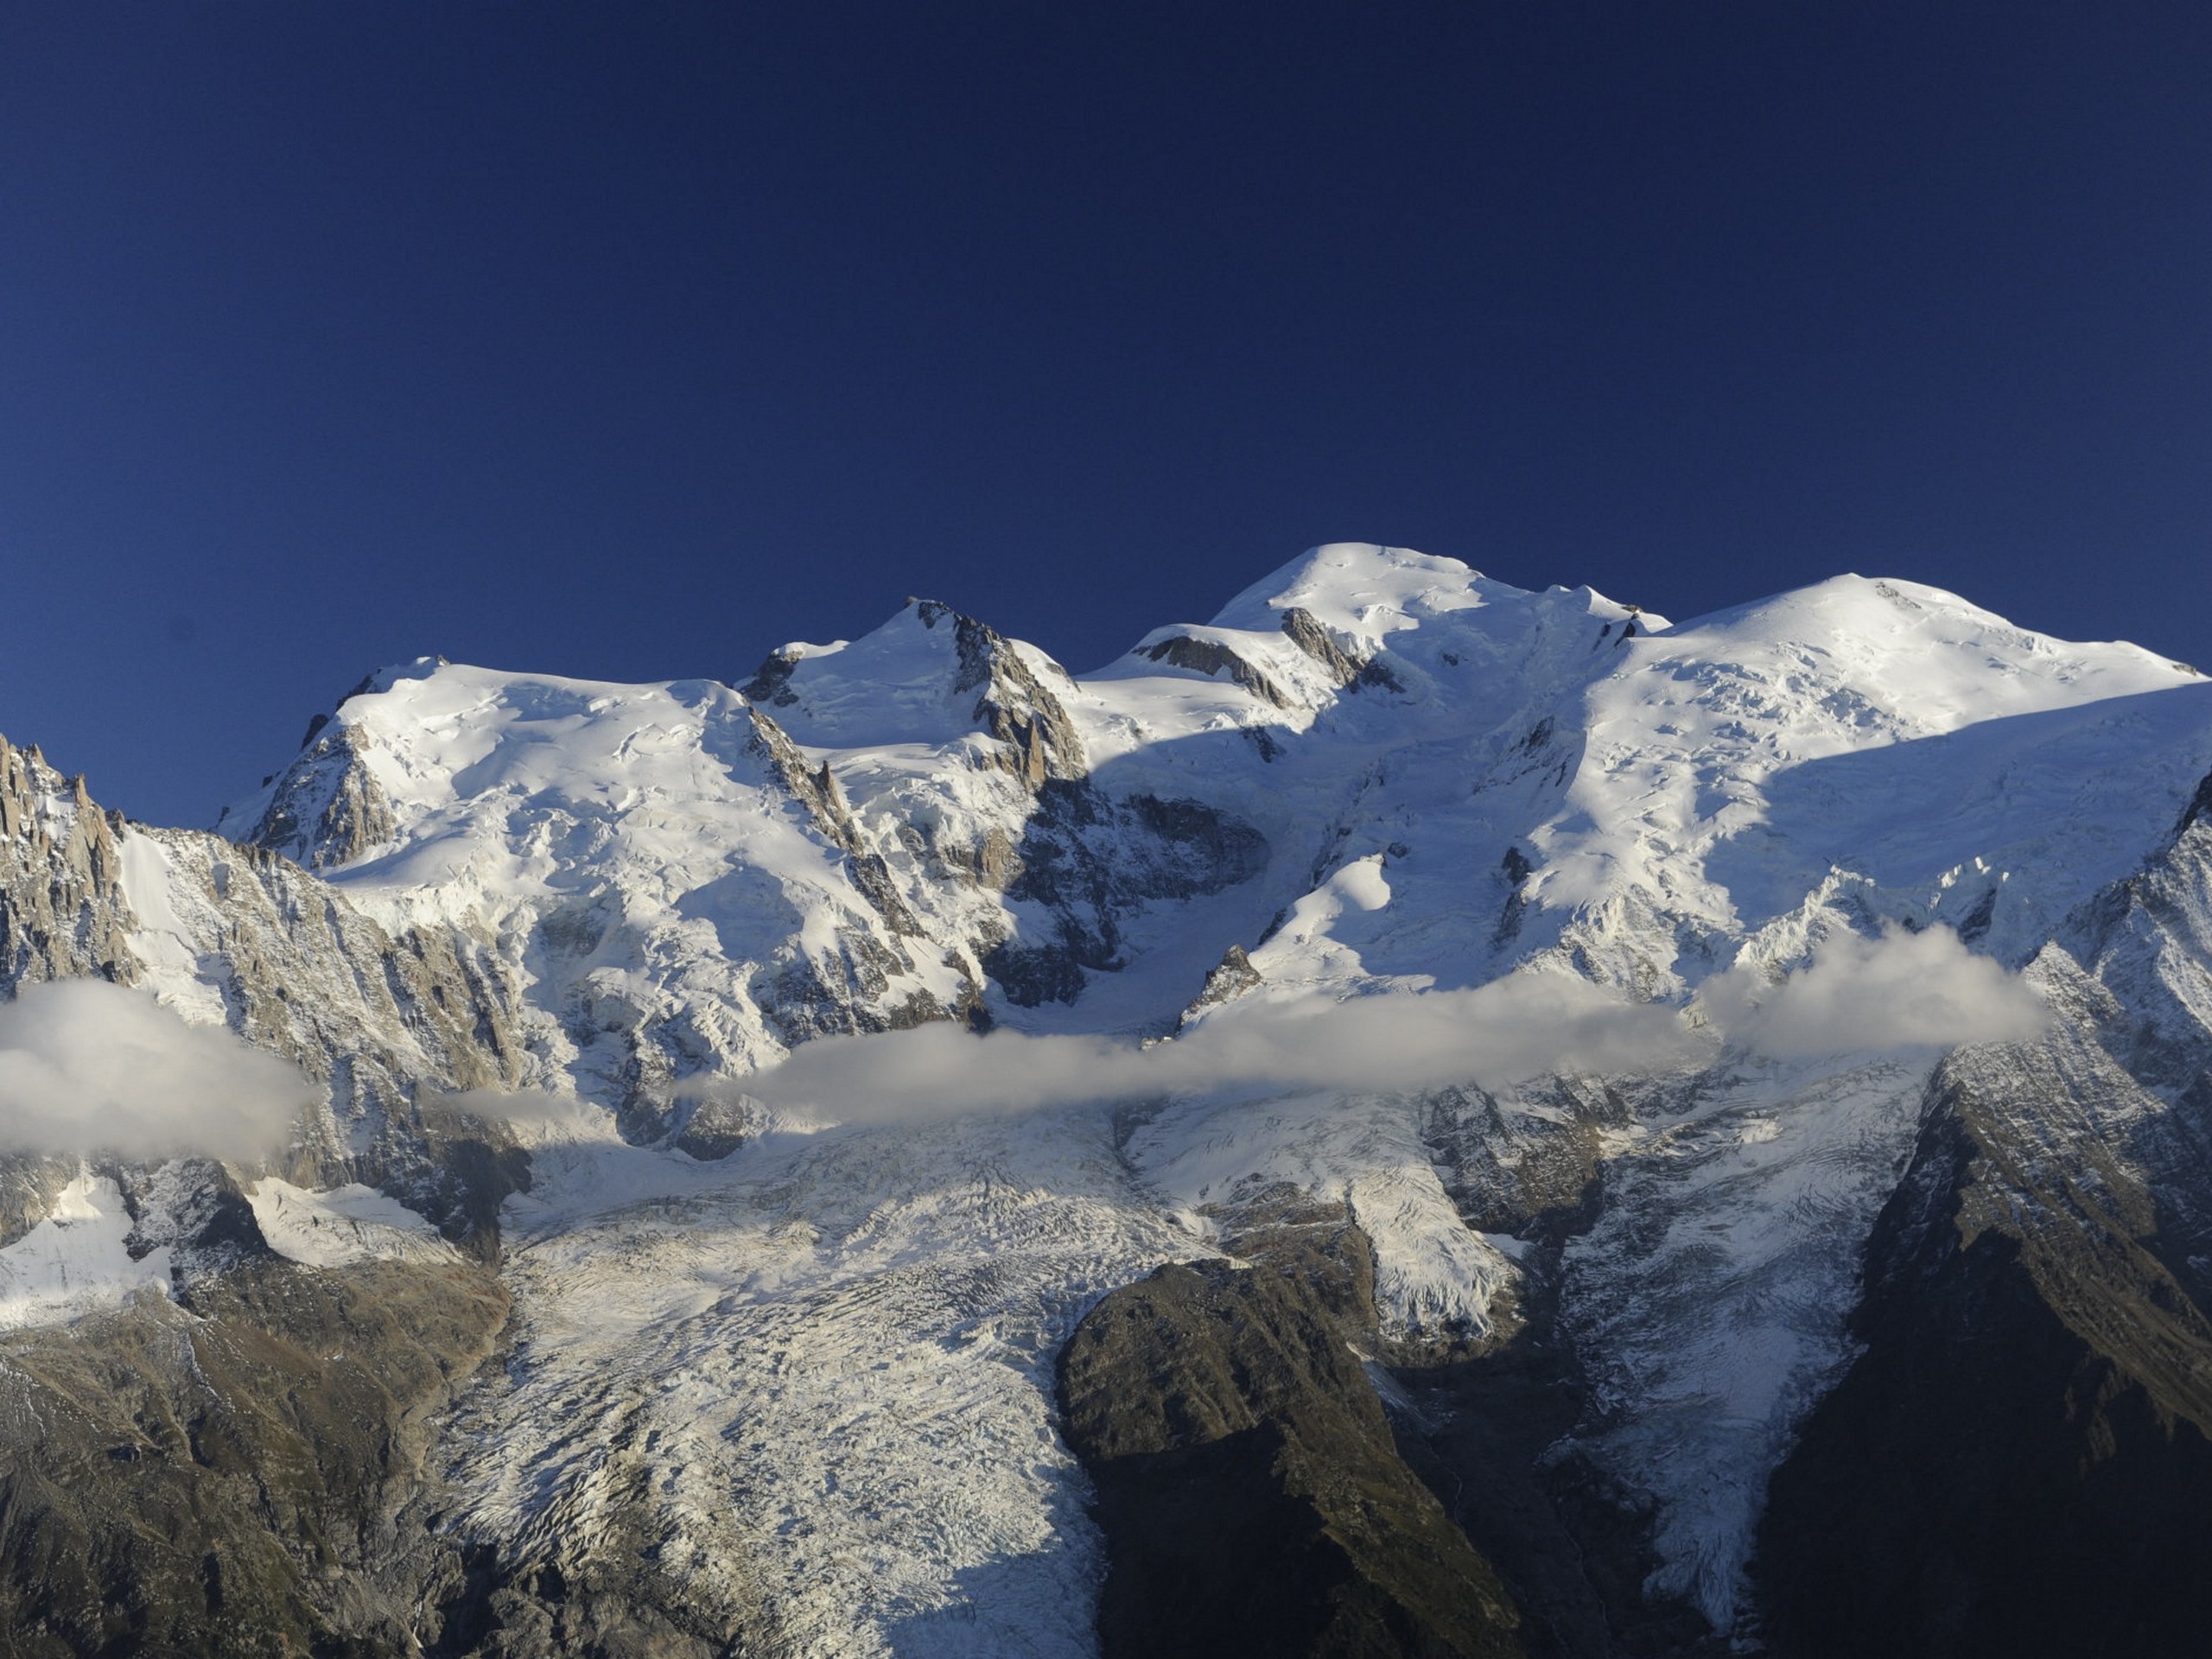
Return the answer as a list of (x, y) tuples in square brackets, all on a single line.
[(1902, 990), (1492, 1035), (520, 1106), (86, 1066)]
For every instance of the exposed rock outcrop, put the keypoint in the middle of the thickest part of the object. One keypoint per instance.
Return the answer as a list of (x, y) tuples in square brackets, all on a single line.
[(295, 969), (62, 912), (1232, 977), (1211, 657), (2018, 1462), (1252, 1496), (225, 1479), (327, 808), (1086, 860), (1306, 633), (1011, 704)]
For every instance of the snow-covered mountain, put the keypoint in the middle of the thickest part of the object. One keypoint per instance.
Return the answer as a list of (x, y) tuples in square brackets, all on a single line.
[(1631, 1042)]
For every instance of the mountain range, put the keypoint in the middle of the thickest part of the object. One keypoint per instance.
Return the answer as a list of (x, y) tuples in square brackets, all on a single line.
[(1415, 1117)]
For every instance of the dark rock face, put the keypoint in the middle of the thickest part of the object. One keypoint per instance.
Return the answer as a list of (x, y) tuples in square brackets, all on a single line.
[(1306, 631), (225, 1478), (1532, 1176), (62, 913), (1232, 977), (1031, 976), (1210, 658), (29, 1185), (1012, 703), (1087, 859), (1487, 1422), (1252, 1496), (328, 808), (193, 1208), (509, 1611), (1574, 1547), (771, 682), (1481, 1432), (715, 1126), (2017, 1466), (834, 993)]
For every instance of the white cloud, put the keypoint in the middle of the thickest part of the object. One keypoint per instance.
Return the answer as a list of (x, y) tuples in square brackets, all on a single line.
[(86, 1066), (533, 1106), (530, 1117), (1494, 1034), (1902, 990)]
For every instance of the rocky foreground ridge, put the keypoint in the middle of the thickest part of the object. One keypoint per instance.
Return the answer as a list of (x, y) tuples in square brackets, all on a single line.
[(1415, 1117)]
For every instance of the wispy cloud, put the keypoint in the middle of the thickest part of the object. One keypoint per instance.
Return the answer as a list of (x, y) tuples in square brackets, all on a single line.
[(1902, 990), (1899, 991), (1494, 1034), (90, 1067)]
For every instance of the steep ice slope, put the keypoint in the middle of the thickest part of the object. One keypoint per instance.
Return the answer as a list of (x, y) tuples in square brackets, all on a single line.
[(1765, 746), (1643, 807)]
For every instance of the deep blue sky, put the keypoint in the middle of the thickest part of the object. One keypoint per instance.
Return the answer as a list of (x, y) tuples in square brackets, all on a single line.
[(630, 340)]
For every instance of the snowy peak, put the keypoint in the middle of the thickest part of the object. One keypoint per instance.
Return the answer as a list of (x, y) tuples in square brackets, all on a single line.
[(1927, 659), (1362, 593), (929, 677), (1960, 768), (419, 739), (1353, 616)]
